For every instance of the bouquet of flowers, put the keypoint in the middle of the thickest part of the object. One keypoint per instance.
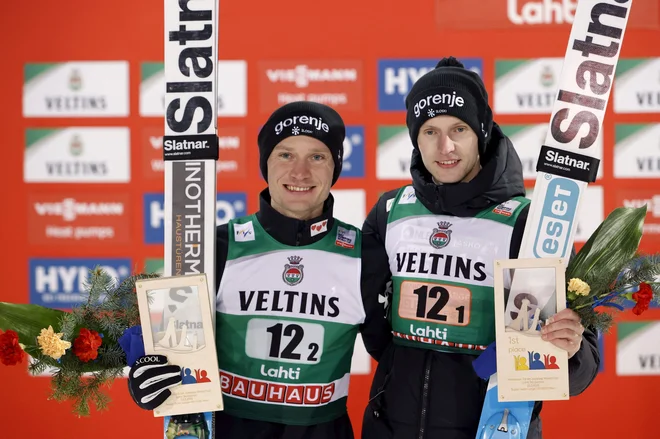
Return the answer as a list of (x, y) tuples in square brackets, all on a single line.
[(609, 273), (85, 348)]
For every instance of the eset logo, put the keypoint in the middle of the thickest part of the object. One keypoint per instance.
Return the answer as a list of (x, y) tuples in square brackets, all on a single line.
[(229, 205)]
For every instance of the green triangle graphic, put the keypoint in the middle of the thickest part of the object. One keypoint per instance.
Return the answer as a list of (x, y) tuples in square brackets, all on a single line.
[(34, 135), (502, 67), (153, 265), (385, 133), (512, 130), (149, 69), (31, 71), (627, 64), (626, 329), (623, 130)]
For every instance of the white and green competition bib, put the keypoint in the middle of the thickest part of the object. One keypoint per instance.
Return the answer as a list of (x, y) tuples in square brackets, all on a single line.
[(442, 273), (287, 318)]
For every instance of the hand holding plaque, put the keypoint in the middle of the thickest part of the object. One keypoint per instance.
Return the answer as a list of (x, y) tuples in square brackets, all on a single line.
[(177, 318)]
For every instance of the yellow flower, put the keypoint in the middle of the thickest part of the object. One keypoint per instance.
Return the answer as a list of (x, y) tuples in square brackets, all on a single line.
[(579, 287), (51, 344)]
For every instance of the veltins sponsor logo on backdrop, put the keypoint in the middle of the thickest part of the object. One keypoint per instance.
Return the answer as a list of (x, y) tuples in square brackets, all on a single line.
[(59, 282), (77, 155), (350, 206), (522, 14), (526, 86), (232, 89), (230, 164), (154, 265), (333, 82), (591, 214), (637, 150), (528, 139), (397, 76), (353, 165), (78, 218), (76, 89), (639, 197), (637, 83), (638, 348), (229, 205), (393, 153)]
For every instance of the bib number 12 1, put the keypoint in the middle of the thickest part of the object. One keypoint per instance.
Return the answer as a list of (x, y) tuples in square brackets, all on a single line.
[(430, 302)]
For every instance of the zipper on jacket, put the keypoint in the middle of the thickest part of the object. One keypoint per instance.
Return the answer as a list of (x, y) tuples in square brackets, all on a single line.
[(425, 394)]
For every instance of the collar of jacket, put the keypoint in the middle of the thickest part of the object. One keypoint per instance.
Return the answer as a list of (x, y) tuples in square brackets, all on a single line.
[(500, 179), (291, 231)]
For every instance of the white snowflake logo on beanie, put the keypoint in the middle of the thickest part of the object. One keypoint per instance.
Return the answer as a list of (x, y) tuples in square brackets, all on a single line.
[(431, 113), (295, 131)]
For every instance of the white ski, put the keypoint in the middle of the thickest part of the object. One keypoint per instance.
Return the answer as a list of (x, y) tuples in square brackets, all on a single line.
[(190, 144), (568, 161)]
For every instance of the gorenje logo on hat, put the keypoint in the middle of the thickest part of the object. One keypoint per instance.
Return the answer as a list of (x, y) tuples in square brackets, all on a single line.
[(449, 100), (300, 122)]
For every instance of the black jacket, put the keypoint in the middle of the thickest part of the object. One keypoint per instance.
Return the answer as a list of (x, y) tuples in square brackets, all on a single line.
[(420, 393), (292, 232)]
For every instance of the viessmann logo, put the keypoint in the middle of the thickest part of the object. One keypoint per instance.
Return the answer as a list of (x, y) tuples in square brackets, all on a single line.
[(337, 83), (302, 75), (69, 209), (79, 218)]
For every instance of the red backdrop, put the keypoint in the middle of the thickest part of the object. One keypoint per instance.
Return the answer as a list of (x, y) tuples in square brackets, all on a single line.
[(78, 30)]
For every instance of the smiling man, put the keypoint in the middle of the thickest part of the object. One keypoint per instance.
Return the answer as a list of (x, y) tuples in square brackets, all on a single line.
[(288, 299), (429, 251)]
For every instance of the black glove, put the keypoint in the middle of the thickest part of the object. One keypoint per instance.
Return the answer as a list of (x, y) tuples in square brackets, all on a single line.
[(150, 379)]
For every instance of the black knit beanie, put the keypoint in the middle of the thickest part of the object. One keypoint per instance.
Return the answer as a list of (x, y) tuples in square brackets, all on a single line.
[(303, 118), (450, 89)]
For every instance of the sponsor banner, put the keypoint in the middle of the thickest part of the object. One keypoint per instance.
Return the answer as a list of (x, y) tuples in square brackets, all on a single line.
[(60, 282), (528, 139), (229, 205), (77, 155), (154, 265), (637, 150), (335, 83), (527, 14), (353, 164), (78, 218), (350, 206), (232, 88), (393, 153), (76, 89), (638, 348), (231, 143), (601, 350), (397, 76), (255, 390), (637, 83), (526, 86), (591, 212), (638, 197), (361, 360)]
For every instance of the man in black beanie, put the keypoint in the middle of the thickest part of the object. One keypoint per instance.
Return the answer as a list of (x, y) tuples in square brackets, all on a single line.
[(288, 302), (431, 248)]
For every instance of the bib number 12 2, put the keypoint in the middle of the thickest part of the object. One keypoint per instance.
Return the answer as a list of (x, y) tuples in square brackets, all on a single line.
[(282, 340)]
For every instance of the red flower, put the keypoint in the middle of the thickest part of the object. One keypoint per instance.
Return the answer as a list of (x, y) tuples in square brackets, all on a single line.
[(643, 298), (86, 345), (11, 352)]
